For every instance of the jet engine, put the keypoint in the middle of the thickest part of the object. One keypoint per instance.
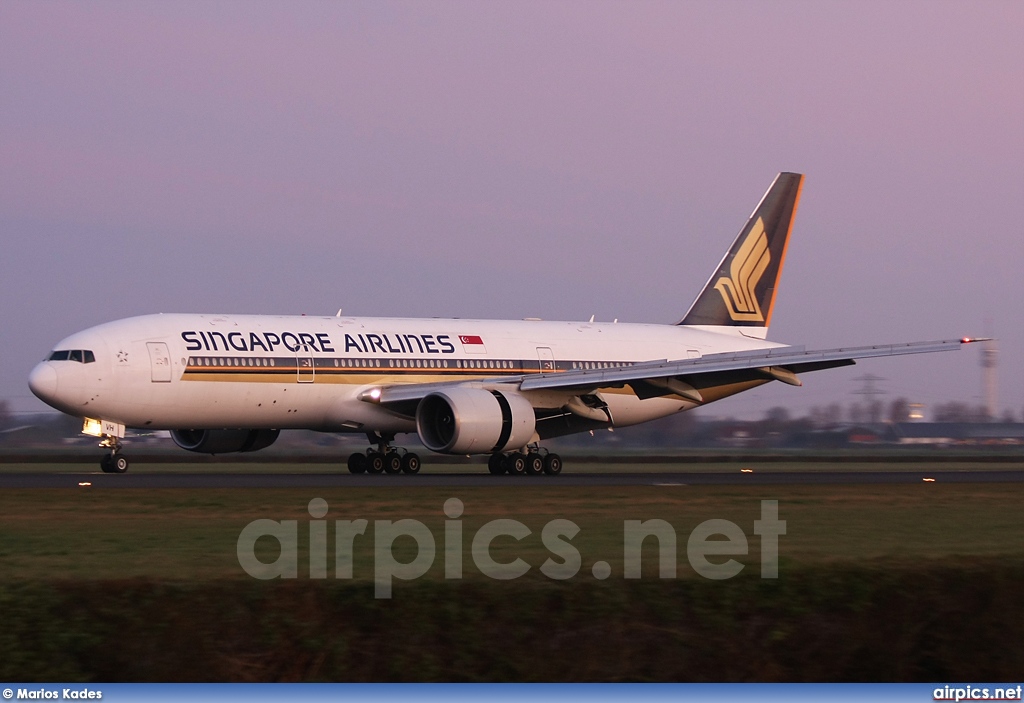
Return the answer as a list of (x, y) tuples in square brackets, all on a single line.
[(474, 421), (224, 441)]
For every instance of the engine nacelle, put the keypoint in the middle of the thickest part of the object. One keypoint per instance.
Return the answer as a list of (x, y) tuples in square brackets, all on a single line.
[(224, 441), (475, 421)]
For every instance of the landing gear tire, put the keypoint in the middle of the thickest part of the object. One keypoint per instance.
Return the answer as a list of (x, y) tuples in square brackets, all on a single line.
[(534, 464), (411, 463), (114, 464), (392, 463), (374, 463), (357, 463), (515, 464), (552, 464), (496, 464)]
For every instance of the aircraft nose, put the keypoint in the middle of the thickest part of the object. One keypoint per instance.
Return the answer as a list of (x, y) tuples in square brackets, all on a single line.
[(43, 382)]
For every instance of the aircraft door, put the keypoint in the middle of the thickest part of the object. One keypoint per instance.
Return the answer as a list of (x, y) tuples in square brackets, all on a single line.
[(159, 362), (545, 359), (305, 364)]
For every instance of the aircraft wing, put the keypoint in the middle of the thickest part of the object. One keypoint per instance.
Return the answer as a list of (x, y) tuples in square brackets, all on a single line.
[(682, 377), (779, 363)]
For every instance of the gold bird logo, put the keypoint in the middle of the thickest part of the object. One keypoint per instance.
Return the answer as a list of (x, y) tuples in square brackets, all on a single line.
[(745, 273)]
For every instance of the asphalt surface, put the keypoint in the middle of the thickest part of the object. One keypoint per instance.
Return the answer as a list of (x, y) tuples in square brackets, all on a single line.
[(462, 480)]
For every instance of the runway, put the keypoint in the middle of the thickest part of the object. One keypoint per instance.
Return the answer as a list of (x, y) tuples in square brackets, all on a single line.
[(465, 480)]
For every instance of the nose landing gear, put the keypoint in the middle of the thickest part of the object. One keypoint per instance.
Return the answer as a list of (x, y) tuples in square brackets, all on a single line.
[(115, 462)]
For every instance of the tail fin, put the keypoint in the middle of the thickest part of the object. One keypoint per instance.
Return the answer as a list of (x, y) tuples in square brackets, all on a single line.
[(741, 293)]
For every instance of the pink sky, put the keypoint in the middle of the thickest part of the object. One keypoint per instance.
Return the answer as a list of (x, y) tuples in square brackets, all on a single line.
[(517, 159)]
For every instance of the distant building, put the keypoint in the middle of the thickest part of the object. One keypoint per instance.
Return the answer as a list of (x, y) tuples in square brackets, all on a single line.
[(960, 433)]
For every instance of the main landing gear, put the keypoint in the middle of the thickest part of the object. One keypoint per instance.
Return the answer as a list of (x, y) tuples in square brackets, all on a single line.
[(115, 462), (384, 459), (533, 462)]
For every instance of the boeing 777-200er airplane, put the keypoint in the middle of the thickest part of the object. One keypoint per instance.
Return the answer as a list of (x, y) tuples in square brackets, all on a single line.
[(231, 383)]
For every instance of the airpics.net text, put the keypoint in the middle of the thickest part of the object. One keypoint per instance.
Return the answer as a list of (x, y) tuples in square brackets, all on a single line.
[(564, 562)]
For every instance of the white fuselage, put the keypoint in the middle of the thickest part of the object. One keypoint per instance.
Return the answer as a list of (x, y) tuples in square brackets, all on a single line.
[(172, 371)]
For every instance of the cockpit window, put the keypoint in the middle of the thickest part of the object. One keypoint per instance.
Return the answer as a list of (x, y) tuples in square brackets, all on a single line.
[(82, 356)]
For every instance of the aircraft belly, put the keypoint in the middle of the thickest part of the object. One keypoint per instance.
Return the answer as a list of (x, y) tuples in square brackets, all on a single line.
[(349, 414), (229, 405)]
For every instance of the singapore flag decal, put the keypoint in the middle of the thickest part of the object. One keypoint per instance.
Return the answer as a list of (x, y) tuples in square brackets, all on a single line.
[(472, 344)]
